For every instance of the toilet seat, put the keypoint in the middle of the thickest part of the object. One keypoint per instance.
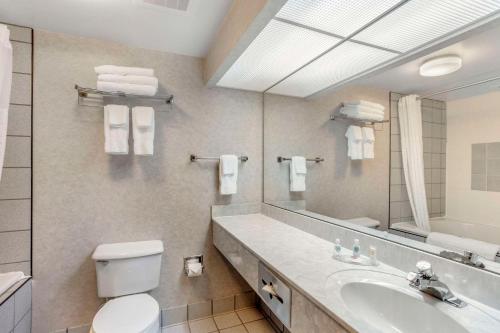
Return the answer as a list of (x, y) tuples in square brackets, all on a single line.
[(138, 313)]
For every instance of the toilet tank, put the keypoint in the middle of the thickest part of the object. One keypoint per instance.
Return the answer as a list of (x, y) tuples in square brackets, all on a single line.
[(127, 268)]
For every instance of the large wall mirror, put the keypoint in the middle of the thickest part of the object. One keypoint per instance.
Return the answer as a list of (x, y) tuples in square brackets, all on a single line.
[(405, 154)]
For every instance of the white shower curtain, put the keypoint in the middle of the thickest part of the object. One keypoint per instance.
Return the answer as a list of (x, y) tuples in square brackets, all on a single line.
[(410, 123), (5, 85)]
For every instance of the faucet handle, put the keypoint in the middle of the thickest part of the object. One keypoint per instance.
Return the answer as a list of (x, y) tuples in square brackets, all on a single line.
[(425, 268)]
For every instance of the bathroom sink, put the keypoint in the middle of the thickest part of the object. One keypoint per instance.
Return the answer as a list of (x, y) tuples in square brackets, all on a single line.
[(384, 302)]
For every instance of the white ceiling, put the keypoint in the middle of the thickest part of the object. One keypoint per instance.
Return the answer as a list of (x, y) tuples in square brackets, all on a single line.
[(130, 22), (481, 60)]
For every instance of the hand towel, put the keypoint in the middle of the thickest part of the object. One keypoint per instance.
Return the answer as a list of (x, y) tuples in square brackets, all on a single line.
[(117, 115), (5, 87), (127, 88), (228, 174), (143, 135), (365, 103), (131, 79), (116, 137), (354, 137), (298, 171), (368, 143), (144, 116), (121, 70), (459, 244)]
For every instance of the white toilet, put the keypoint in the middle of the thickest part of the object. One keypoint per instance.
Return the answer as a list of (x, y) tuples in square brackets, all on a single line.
[(125, 272)]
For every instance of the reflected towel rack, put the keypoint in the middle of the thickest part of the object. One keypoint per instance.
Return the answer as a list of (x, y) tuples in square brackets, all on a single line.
[(317, 159), (194, 158), (95, 94)]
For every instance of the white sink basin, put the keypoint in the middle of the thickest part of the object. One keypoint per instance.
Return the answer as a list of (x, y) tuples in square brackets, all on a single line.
[(384, 302)]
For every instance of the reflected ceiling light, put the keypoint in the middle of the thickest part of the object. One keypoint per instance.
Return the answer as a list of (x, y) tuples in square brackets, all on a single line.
[(441, 66)]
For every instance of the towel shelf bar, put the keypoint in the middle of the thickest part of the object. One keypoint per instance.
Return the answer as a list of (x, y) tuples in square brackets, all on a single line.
[(194, 158), (317, 159), (365, 122), (94, 94)]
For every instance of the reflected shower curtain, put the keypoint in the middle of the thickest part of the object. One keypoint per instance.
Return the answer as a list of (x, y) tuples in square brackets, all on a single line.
[(410, 123), (5, 85)]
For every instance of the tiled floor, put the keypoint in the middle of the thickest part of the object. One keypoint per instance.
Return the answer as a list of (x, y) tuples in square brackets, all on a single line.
[(249, 320)]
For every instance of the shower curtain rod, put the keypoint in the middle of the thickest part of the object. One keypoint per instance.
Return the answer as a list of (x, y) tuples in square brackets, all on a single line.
[(460, 87)]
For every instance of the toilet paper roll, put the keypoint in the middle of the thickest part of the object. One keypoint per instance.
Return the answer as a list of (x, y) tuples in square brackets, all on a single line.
[(194, 269)]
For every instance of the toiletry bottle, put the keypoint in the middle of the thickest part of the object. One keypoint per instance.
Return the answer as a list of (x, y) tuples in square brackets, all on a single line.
[(373, 256), (338, 248), (356, 249)]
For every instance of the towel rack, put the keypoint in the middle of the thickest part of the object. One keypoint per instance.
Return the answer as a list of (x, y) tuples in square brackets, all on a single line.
[(362, 122), (93, 94), (194, 158), (317, 159)]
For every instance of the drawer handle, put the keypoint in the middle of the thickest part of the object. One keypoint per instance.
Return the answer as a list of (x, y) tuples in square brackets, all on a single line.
[(269, 288)]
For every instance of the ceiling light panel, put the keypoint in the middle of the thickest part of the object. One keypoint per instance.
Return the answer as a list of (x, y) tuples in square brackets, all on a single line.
[(339, 17), (420, 21), (341, 63), (277, 51)]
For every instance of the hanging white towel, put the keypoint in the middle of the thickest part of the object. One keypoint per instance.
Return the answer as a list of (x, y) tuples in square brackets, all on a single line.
[(122, 70), (127, 88), (143, 129), (5, 87), (228, 174), (365, 103), (116, 136), (131, 79), (354, 137), (368, 143), (298, 171)]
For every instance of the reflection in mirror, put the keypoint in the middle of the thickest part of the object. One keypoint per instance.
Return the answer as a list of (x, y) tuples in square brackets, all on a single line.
[(422, 164)]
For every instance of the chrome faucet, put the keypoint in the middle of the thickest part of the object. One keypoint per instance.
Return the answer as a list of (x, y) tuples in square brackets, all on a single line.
[(426, 281), (468, 258)]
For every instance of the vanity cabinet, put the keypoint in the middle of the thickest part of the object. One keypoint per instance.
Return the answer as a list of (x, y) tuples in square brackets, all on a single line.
[(304, 317)]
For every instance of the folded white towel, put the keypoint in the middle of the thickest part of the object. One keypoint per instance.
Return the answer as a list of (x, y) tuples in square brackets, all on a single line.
[(368, 143), (143, 135), (116, 137), (127, 88), (122, 70), (365, 103), (298, 171), (459, 244), (354, 137), (362, 113), (144, 116), (131, 79), (117, 115), (7, 280), (228, 174)]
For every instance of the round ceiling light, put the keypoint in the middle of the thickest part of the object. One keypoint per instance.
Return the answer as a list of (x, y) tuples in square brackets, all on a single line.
[(441, 66)]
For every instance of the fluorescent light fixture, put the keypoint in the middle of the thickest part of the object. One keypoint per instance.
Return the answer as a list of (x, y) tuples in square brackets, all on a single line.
[(420, 21), (277, 51), (339, 64), (339, 17), (441, 66)]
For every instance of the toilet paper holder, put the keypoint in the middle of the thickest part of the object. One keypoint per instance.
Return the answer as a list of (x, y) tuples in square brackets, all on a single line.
[(197, 258)]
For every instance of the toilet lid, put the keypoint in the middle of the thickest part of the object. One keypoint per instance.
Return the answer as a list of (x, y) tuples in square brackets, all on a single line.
[(127, 314)]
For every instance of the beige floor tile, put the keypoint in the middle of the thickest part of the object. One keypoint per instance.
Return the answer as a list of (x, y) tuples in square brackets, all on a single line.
[(180, 328), (236, 329), (227, 320), (250, 314), (206, 325), (259, 326)]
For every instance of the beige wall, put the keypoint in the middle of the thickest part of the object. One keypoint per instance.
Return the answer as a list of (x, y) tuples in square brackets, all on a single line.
[(83, 197), (470, 120), (337, 187)]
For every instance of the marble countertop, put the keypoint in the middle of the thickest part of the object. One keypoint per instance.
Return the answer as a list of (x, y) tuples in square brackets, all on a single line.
[(302, 259)]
